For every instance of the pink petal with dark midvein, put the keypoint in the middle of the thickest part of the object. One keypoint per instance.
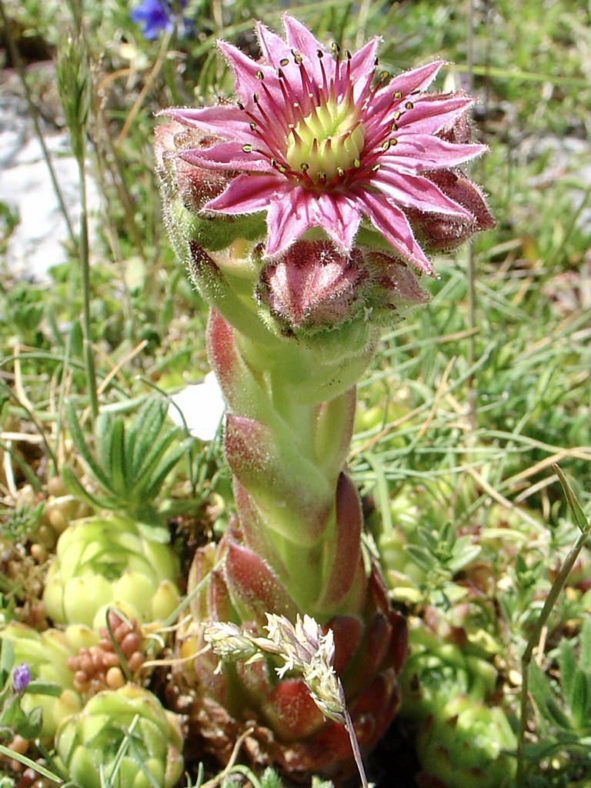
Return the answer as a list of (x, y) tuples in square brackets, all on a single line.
[(287, 218), (363, 67), (246, 82), (301, 39), (273, 47), (430, 116), (416, 79), (226, 156), (223, 120), (405, 83), (394, 226), (247, 193), (413, 191), (338, 216), (417, 152), (300, 210)]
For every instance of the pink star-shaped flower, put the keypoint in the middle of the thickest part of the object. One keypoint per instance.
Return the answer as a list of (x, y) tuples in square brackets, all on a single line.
[(318, 142)]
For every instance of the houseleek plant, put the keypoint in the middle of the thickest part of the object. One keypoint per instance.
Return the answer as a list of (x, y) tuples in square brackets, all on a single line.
[(305, 211)]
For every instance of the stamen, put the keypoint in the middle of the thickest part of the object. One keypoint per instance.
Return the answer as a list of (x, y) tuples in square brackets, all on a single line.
[(308, 86)]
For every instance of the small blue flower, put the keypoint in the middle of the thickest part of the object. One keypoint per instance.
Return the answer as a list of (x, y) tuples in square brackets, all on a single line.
[(155, 16), (21, 675)]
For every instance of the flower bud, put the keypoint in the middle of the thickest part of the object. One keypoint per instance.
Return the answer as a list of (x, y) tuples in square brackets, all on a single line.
[(21, 675), (314, 286), (195, 185)]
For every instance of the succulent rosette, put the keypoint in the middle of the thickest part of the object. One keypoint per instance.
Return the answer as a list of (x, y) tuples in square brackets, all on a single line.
[(124, 736), (467, 745), (107, 561), (45, 655), (304, 212)]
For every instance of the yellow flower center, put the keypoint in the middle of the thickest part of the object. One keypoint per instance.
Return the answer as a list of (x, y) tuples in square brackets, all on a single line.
[(327, 142)]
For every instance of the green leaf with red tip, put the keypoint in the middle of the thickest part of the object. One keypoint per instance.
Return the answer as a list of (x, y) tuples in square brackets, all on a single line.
[(344, 552), (293, 496), (254, 588), (291, 712)]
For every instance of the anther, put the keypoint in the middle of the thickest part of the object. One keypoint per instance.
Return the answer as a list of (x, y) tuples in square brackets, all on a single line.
[(357, 162), (253, 125), (375, 167), (336, 50), (385, 144), (409, 105), (297, 57), (340, 172), (397, 94), (320, 53), (284, 61), (259, 75), (304, 166), (394, 126), (383, 76), (397, 115), (240, 105), (247, 148), (348, 54), (255, 98)]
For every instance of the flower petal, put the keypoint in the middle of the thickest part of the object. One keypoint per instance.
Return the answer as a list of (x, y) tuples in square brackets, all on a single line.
[(287, 218), (416, 152), (413, 191), (338, 216), (247, 193), (416, 79), (363, 68), (394, 226), (301, 39), (300, 210), (246, 82), (431, 113), (273, 47), (396, 91), (223, 120), (226, 156)]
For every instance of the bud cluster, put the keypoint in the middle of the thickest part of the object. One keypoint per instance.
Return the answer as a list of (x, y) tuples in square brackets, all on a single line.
[(99, 666)]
